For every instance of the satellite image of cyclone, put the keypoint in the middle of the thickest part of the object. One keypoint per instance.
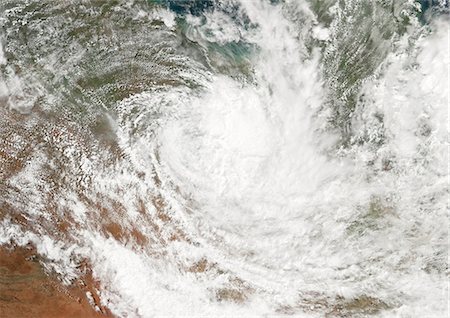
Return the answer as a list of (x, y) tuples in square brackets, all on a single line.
[(224, 158)]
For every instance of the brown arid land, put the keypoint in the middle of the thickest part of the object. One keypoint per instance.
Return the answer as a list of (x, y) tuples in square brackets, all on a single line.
[(27, 291)]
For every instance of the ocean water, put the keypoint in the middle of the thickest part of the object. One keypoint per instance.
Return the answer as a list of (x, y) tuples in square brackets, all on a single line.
[(228, 158)]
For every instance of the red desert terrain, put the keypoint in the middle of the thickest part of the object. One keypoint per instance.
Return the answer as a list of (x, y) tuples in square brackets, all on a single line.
[(27, 291)]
